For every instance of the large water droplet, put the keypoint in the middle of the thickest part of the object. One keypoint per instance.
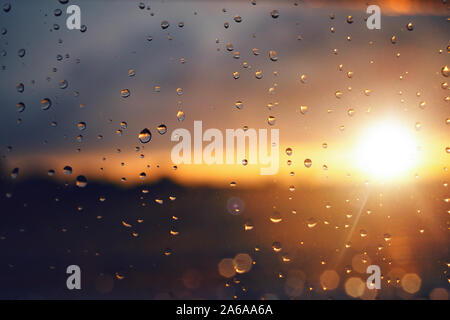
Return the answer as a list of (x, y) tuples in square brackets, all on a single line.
[(307, 163), (81, 181), (145, 135)]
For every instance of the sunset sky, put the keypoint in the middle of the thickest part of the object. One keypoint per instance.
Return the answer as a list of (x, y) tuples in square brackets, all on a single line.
[(100, 59)]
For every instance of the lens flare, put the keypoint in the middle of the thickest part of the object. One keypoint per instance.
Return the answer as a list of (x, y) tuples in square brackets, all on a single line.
[(386, 151)]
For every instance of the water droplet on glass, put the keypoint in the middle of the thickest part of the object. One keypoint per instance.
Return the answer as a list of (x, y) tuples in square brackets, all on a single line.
[(14, 173), (145, 135), (303, 109), (311, 222), (46, 103), (273, 55), (21, 53), (20, 87), (289, 151), (20, 106), (410, 26), (81, 181), (81, 126), (162, 129), (275, 14), (180, 115), (125, 93), (164, 24), (67, 170), (307, 163)]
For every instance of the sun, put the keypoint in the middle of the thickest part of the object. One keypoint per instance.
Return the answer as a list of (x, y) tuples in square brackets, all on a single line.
[(387, 151)]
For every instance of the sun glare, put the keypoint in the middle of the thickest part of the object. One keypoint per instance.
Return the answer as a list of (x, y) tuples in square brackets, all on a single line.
[(387, 151)]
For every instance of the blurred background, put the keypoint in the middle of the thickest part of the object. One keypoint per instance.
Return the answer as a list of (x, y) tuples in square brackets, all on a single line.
[(364, 148)]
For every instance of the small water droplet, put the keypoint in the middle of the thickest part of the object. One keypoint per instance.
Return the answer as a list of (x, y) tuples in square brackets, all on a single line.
[(125, 93), (164, 24), (162, 129), (307, 163), (81, 126), (273, 55), (67, 170), (410, 26), (46, 103)]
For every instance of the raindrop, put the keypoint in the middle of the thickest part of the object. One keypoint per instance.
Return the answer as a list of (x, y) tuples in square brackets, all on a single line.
[(20, 87), (271, 120), (445, 71), (46, 103), (275, 14), (21, 53), (20, 106), (14, 173), (258, 74), (410, 26), (311, 222), (307, 163), (67, 170), (81, 126), (7, 7), (180, 115), (276, 246), (239, 105), (238, 19), (275, 217), (81, 181), (164, 24), (289, 151), (145, 135), (303, 78), (125, 93), (162, 129), (273, 55), (303, 109)]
